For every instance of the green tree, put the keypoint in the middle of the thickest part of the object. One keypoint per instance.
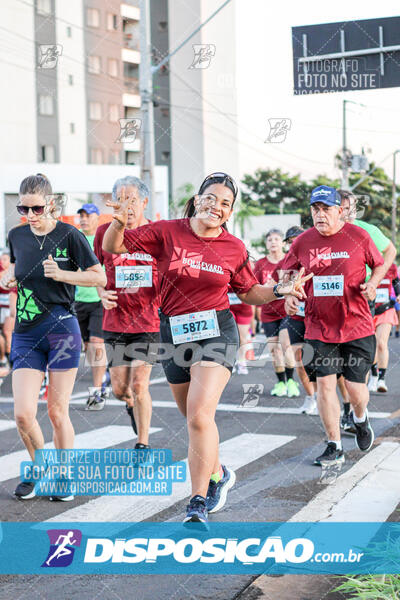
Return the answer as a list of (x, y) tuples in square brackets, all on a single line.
[(183, 193), (377, 189), (274, 191), (243, 213)]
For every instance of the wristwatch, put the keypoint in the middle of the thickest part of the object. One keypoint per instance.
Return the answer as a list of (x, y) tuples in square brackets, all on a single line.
[(275, 291)]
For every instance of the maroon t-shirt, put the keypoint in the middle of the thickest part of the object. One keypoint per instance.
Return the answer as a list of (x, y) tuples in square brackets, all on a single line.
[(237, 307), (266, 271), (384, 288), (335, 309), (194, 272), (137, 309)]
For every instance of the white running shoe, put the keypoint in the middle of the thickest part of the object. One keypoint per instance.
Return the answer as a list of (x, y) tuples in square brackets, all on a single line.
[(242, 369), (382, 387), (310, 406), (373, 383)]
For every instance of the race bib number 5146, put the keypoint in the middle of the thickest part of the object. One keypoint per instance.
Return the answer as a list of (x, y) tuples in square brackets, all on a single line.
[(328, 285)]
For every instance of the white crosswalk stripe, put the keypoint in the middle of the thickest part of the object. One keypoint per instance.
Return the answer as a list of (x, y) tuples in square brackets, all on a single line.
[(235, 452), (80, 399), (7, 424), (369, 491), (104, 437)]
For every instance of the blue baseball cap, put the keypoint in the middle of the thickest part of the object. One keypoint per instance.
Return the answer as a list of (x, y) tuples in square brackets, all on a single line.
[(325, 194), (89, 209)]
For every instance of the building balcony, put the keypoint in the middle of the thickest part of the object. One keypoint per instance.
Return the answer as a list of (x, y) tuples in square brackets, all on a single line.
[(132, 146), (131, 42), (130, 13), (131, 100), (130, 56)]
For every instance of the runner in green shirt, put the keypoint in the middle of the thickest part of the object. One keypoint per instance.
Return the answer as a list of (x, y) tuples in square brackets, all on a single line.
[(89, 311), (388, 251)]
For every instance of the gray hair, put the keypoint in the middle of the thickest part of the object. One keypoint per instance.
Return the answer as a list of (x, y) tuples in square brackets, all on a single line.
[(277, 231), (141, 187)]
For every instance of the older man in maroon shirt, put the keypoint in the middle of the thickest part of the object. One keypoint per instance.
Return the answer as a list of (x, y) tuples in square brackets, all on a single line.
[(339, 325)]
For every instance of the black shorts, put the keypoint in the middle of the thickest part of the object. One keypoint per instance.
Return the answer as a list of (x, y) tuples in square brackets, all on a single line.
[(296, 329), (123, 348), (352, 359), (272, 328), (90, 318), (221, 349)]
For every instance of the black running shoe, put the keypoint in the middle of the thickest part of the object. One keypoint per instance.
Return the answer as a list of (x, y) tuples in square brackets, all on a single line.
[(346, 423), (62, 498), (25, 490), (95, 401), (331, 455), (364, 433), (129, 410), (139, 446)]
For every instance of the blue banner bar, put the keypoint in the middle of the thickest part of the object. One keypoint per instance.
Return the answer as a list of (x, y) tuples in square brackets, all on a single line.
[(227, 548)]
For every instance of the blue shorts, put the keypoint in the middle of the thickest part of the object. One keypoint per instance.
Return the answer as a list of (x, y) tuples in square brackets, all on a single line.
[(55, 343)]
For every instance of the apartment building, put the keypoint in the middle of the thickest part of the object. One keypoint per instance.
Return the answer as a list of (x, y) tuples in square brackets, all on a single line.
[(70, 73)]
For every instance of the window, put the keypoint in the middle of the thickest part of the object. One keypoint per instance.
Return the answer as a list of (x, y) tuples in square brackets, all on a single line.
[(114, 157), (43, 7), (113, 113), (71, 79), (95, 111), (69, 32), (72, 127), (93, 17), (113, 67), (94, 64), (162, 25), (112, 22), (48, 154), (46, 106), (96, 156)]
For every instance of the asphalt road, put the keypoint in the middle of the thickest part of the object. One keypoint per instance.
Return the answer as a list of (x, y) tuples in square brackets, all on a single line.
[(271, 444)]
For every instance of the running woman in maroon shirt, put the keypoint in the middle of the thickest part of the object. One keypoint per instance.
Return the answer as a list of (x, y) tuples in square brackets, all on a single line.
[(385, 317), (130, 317), (196, 260), (339, 325)]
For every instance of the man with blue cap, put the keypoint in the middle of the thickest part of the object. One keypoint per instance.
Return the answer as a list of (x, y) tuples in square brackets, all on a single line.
[(89, 311), (339, 325)]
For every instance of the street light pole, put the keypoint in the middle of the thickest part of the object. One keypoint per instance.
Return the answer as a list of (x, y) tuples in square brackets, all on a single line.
[(146, 73), (394, 199), (146, 94), (345, 168)]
